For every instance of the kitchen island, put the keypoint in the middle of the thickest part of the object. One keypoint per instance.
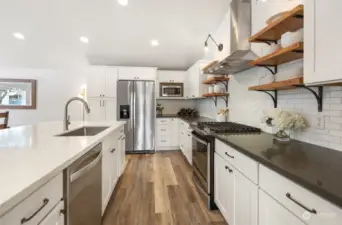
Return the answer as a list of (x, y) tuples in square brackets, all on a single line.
[(31, 156)]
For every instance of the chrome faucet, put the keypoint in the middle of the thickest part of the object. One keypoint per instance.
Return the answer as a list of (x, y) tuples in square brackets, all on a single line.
[(66, 116)]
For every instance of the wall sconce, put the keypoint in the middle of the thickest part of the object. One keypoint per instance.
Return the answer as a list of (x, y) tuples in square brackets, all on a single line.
[(219, 47)]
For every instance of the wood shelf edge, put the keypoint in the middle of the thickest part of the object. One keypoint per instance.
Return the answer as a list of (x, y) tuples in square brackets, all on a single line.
[(216, 95), (279, 85), (297, 9), (293, 47), (215, 80)]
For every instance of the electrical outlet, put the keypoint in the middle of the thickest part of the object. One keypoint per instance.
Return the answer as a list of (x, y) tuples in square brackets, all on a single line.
[(320, 122)]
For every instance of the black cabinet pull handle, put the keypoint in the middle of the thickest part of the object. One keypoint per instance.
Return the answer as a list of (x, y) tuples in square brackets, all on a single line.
[(113, 150), (189, 135), (229, 169), (230, 156), (313, 211), (45, 202)]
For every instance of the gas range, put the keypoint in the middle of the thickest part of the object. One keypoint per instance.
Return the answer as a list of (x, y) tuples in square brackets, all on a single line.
[(224, 127)]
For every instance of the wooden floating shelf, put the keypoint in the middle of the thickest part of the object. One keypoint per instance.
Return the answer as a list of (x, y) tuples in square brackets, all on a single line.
[(215, 95), (282, 56), (279, 85), (290, 21), (216, 80)]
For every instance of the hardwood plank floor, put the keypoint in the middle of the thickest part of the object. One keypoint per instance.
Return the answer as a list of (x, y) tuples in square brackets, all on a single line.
[(158, 190)]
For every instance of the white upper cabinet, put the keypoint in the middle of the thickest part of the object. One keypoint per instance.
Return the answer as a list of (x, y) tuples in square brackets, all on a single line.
[(111, 82), (96, 81), (101, 82), (137, 73), (167, 76), (194, 87), (322, 38)]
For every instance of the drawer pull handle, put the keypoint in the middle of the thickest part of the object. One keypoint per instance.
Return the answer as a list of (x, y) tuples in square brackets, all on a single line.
[(230, 156), (189, 135), (112, 151), (45, 202), (313, 211), (163, 129), (163, 141), (229, 169)]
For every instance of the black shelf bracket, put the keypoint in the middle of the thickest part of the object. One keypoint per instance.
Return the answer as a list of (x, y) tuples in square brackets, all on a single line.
[(272, 69), (318, 95), (269, 42), (225, 83), (215, 100), (225, 98), (274, 97)]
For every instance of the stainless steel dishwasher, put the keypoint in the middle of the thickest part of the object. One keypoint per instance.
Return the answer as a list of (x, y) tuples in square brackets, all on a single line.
[(83, 185)]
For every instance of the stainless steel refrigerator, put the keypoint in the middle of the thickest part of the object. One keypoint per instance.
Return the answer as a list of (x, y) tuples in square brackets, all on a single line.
[(136, 105)]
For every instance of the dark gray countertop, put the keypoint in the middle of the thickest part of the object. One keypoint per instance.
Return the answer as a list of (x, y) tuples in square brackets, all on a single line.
[(186, 119), (317, 168)]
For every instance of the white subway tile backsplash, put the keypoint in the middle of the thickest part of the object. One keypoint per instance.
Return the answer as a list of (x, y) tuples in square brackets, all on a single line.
[(332, 100), (334, 94), (332, 126), (336, 133), (335, 107), (335, 120)]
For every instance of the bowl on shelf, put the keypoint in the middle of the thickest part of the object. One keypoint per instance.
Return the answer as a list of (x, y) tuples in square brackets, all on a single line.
[(289, 38), (275, 17), (210, 89), (272, 49)]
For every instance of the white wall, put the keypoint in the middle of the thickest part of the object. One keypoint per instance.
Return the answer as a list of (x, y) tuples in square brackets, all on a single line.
[(247, 106), (54, 88)]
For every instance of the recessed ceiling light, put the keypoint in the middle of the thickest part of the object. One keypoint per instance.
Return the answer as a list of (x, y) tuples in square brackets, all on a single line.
[(154, 42), (19, 36), (123, 2), (84, 40)]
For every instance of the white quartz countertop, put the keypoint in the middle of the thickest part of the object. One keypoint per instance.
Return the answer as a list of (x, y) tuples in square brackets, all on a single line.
[(32, 155)]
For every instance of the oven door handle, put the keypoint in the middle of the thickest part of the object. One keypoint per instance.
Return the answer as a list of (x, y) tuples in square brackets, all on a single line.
[(199, 140)]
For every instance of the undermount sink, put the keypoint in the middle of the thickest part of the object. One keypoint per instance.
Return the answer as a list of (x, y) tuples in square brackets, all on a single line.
[(84, 131)]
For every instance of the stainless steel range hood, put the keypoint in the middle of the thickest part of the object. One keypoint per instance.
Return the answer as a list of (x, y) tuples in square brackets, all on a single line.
[(240, 48)]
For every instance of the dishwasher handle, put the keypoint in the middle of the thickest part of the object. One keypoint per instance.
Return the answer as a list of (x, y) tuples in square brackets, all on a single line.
[(84, 170)]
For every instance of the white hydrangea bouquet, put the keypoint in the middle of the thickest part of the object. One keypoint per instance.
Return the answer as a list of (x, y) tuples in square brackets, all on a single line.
[(285, 122)]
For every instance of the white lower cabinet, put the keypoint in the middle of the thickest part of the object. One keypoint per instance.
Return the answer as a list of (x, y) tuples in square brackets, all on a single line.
[(166, 130), (55, 217), (235, 195), (113, 162), (273, 213), (37, 206), (185, 140)]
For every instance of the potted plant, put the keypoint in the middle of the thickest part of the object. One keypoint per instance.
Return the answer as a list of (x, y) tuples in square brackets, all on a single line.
[(159, 109)]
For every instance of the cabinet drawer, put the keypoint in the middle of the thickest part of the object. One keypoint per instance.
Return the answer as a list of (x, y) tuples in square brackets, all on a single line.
[(303, 203), (34, 208), (111, 141), (164, 141), (163, 130), (163, 121), (244, 164)]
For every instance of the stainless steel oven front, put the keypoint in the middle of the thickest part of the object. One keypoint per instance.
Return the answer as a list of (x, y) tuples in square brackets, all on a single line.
[(203, 167)]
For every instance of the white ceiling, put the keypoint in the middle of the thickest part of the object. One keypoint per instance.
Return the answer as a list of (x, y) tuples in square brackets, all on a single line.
[(118, 35)]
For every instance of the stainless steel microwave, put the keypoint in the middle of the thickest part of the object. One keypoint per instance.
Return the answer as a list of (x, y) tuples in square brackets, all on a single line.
[(171, 90)]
